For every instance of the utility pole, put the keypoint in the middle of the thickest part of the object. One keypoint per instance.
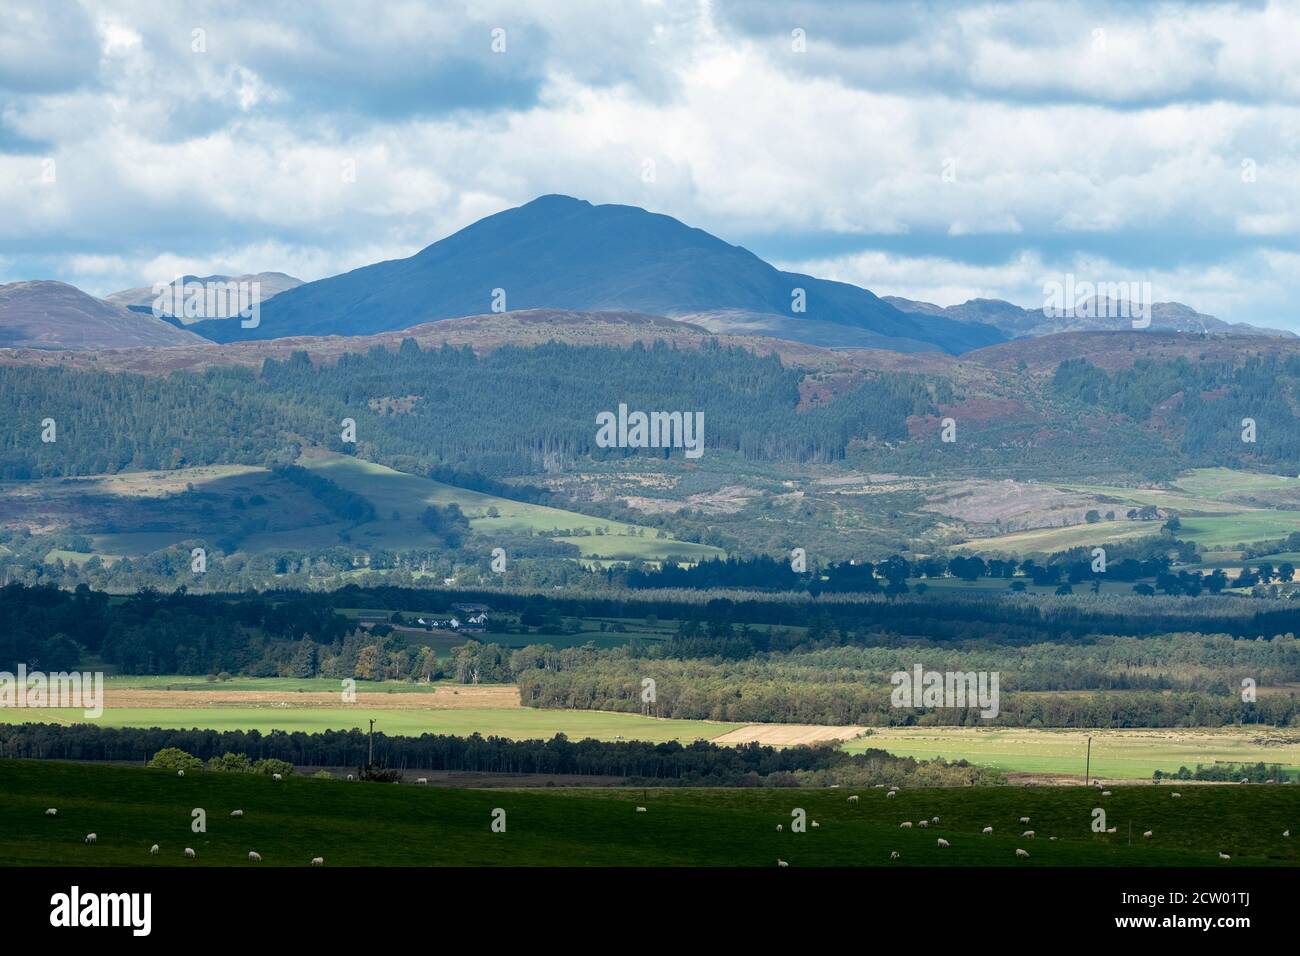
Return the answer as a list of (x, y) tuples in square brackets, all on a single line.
[(371, 759), (1087, 767)]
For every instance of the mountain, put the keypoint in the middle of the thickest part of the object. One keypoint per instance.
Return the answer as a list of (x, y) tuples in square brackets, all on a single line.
[(141, 299), (55, 315), (1016, 322), (557, 252)]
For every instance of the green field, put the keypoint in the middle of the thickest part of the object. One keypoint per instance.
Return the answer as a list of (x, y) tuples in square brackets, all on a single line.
[(1116, 754), (358, 824), (519, 723), (409, 495)]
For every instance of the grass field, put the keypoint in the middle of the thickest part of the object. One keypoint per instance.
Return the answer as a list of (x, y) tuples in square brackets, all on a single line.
[(408, 495), (1116, 754), (519, 723), (357, 824)]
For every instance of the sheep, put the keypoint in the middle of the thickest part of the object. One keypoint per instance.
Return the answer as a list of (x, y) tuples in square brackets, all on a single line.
[(780, 828), (180, 773), (923, 824), (905, 826), (254, 857), (1052, 838), (318, 861), (987, 831), (942, 842), (1146, 835), (189, 854), (1176, 795), (422, 780), (1224, 856), (1028, 833), (350, 777), (1286, 833), (781, 862), (1244, 780), (893, 855), (1113, 830), (153, 850), (640, 810), (236, 813), (52, 812), (853, 799), (891, 794), (1023, 854), (894, 787), (1105, 793), (815, 824), (1024, 819), (92, 838), (276, 776), (935, 820)]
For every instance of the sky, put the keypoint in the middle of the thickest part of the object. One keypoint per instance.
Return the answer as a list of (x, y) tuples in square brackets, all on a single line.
[(940, 151)]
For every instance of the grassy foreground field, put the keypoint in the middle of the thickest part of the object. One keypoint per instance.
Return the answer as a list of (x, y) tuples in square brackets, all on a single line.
[(1116, 754), (358, 824)]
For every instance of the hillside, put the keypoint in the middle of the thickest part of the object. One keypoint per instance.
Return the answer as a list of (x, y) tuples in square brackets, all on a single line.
[(557, 252), (141, 299), (55, 315)]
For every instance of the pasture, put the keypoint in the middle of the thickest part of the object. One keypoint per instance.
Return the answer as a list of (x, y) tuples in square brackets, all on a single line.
[(359, 824), (1116, 754)]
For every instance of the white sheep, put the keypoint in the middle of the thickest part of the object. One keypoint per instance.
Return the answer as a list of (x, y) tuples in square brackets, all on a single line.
[(1224, 856), (1028, 833), (1105, 793), (891, 794), (923, 824), (189, 854), (421, 780), (640, 810), (350, 777), (1175, 795), (153, 850), (853, 799), (781, 862), (815, 824), (987, 831), (52, 812), (1112, 830), (893, 855), (1053, 839), (1146, 835), (1024, 819), (236, 813), (1286, 833), (905, 826), (318, 861), (254, 857), (92, 837), (779, 828), (894, 787), (1023, 854), (942, 842), (276, 776), (935, 820)]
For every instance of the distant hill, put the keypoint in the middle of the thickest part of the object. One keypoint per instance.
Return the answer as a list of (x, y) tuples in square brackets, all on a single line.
[(557, 252), (141, 299), (1016, 321), (54, 315)]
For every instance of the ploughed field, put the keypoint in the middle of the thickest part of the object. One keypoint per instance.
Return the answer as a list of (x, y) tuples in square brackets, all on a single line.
[(291, 821)]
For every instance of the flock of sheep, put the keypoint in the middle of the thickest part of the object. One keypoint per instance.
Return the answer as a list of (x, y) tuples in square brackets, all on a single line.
[(189, 854), (1021, 854)]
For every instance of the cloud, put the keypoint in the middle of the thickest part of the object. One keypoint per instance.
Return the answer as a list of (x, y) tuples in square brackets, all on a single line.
[(951, 146)]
